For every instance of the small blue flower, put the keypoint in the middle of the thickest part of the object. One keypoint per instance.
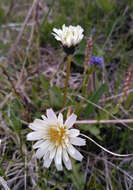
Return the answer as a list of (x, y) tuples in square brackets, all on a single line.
[(98, 61)]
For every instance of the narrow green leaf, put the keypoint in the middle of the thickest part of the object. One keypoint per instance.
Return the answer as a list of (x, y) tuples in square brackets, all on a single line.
[(92, 129), (94, 98)]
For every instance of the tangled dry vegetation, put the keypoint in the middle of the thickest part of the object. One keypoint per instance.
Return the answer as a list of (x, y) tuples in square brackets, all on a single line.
[(32, 77)]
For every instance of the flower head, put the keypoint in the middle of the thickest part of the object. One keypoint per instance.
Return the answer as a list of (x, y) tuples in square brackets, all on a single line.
[(69, 36), (97, 61), (56, 139)]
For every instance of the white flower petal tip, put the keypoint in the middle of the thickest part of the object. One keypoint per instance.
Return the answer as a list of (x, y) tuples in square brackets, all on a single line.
[(69, 36), (78, 141), (70, 121), (33, 136), (51, 115), (56, 139)]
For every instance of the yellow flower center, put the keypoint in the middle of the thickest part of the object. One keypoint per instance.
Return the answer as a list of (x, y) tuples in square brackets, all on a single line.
[(57, 134)]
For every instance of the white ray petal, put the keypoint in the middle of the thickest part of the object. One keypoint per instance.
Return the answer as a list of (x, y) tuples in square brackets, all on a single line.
[(60, 119), (44, 117), (77, 141), (58, 159), (70, 120), (43, 149), (52, 153), (38, 144), (58, 38), (59, 167), (74, 153), (47, 160), (33, 136), (74, 132), (67, 160), (38, 124), (36, 127), (41, 152), (57, 31), (51, 115)]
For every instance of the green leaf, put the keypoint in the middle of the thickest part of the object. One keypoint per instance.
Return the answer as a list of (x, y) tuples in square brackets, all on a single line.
[(77, 177), (76, 183), (92, 129), (79, 54), (129, 100), (14, 121), (44, 82), (94, 98), (79, 59), (114, 110), (56, 98), (106, 6)]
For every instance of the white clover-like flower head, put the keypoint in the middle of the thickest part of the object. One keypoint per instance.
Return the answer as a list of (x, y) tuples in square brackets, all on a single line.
[(56, 139), (69, 36)]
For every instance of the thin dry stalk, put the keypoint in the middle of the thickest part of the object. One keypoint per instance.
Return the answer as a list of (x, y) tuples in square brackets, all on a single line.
[(5, 100), (88, 54), (127, 84), (86, 64), (104, 121), (9, 79), (90, 83), (29, 43), (115, 96), (101, 108), (4, 183), (13, 47)]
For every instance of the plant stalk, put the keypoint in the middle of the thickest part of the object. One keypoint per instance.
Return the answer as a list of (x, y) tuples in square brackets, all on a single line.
[(67, 79), (104, 121)]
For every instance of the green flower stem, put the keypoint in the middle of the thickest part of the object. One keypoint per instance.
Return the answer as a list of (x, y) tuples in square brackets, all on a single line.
[(67, 79)]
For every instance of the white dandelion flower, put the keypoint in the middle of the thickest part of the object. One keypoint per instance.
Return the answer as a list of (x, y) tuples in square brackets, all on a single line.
[(56, 139), (69, 36)]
